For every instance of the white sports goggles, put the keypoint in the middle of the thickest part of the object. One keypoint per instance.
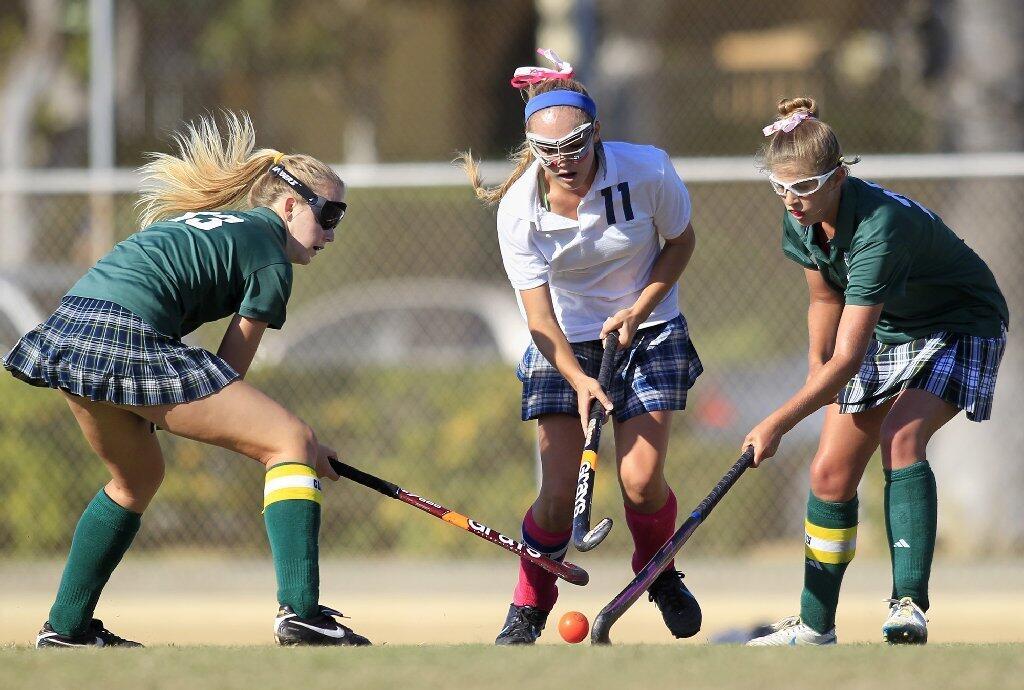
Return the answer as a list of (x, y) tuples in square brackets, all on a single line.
[(802, 187), (572, 147)]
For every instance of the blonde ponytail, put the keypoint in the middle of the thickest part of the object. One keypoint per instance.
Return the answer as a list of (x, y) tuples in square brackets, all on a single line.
[(522, 157), (215, 171)]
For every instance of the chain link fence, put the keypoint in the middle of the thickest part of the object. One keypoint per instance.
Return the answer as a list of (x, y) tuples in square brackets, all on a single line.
[(401, 339), (387, 358)]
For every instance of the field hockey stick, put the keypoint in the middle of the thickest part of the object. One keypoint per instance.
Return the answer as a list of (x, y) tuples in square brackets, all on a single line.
[(584, 538), (618, 606), (567, 571)]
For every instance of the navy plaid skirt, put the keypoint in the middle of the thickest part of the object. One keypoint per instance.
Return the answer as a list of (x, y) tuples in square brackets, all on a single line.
[(654, 373), (101, 351), (961, 369)]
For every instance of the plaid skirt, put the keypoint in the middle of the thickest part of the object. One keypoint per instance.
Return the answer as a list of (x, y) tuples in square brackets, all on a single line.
[(961, 369), (101, 351), (654, 373)]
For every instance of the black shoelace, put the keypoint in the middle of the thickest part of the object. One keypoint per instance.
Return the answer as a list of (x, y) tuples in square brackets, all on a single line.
[(107, 636), (667, 592), (527, 620)]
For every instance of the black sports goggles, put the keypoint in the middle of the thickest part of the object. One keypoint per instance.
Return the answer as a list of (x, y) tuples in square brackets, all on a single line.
[(327, 213)]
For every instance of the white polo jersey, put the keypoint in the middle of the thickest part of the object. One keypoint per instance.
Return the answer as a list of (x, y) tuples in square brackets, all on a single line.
[(601, 263)]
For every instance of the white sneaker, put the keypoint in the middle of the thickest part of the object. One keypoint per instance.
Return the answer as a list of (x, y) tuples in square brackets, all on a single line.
[(792, 632), (906, 623)]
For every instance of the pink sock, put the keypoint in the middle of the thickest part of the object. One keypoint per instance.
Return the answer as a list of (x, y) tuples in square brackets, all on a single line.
[(651, 531), (536, 586)]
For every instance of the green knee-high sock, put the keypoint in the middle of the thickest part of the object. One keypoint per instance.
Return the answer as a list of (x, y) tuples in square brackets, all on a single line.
[(830, 543), (104, 533), (291, 510), (911, 510)]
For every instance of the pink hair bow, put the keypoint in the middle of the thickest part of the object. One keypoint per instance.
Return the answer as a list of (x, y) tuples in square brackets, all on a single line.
[(525, 76), (787, 124)]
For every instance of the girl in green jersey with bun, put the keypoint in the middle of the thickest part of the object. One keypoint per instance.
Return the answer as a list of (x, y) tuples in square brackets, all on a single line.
[(113, 348), (907, 327)]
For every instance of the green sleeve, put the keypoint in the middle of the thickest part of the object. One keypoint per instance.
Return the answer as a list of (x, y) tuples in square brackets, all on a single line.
[(266, 294), (878, 271), (794, 248)]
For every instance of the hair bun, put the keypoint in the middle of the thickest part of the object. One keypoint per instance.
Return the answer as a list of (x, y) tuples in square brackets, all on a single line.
[(788, 106)]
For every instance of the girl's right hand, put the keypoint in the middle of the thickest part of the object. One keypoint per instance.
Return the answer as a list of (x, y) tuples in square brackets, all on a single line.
[(587, 389), (323, 462)]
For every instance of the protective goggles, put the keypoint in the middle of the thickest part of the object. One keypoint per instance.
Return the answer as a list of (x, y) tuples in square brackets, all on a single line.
[(802, 187), (572, 147), (327, 213)]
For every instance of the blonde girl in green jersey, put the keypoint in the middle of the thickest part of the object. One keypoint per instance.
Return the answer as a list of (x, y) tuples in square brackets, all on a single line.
[(906, 327), (223, 223)]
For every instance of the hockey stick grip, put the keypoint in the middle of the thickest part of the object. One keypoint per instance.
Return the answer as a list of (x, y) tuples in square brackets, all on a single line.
[(364, 478), (725, 483), (604, 374)]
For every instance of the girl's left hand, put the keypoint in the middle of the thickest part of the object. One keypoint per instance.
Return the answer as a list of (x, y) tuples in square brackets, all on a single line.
[(625, 321), (765, 438)]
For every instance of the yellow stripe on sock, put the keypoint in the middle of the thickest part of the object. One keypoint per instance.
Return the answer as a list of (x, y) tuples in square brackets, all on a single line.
[(290, 468), (828, 545), (832, 557), (829, 534), (291, 482), (292, 495)]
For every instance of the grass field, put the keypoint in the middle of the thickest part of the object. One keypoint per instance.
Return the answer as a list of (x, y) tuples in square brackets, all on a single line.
[(479, 666), (432, 623), (168, 600)]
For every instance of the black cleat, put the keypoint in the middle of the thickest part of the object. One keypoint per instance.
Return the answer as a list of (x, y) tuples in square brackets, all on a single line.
[(95, 636), (320, 630), (679, 608), (523, 625)]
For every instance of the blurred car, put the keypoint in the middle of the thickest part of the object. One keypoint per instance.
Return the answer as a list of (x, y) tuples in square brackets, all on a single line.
[(18, 314), (432, 323)]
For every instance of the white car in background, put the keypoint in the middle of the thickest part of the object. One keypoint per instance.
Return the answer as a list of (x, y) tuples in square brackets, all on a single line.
[(18, 314), (429, 323)]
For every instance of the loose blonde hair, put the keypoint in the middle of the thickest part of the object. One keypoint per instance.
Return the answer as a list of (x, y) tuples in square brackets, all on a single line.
[(812, 143), (521, 156), (213, 170)]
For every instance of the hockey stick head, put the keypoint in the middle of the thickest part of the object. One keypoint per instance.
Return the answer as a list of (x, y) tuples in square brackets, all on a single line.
[(600, 633), (576, 575), (594, 537)]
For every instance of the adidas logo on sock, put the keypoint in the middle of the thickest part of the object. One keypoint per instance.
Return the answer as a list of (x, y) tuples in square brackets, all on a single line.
[(901, 544)]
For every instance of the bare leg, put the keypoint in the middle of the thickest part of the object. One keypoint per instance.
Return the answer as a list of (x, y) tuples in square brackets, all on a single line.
[(241, 418), (547, 523), (914, 418), (641, 444), (846, 445), (122, 441), (561, 442)]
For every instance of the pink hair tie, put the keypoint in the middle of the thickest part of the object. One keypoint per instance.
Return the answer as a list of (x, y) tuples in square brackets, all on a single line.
[(525, 76), (787, 124)]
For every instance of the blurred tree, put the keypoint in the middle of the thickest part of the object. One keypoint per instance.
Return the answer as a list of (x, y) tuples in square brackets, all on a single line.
[(30, 68), (975, 55)]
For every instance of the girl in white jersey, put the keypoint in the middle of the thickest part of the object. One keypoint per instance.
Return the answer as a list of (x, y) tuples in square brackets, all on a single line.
[(594, 236)]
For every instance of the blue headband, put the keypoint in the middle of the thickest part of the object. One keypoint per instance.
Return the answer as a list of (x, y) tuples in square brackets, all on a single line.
[(562, 97)]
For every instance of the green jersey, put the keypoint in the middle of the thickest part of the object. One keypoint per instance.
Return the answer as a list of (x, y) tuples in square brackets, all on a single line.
[(180, 273), (893, 251)]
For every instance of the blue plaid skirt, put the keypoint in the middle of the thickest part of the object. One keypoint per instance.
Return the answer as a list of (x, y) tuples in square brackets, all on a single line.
[(654, 373), (101, 351), (961, 369)]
